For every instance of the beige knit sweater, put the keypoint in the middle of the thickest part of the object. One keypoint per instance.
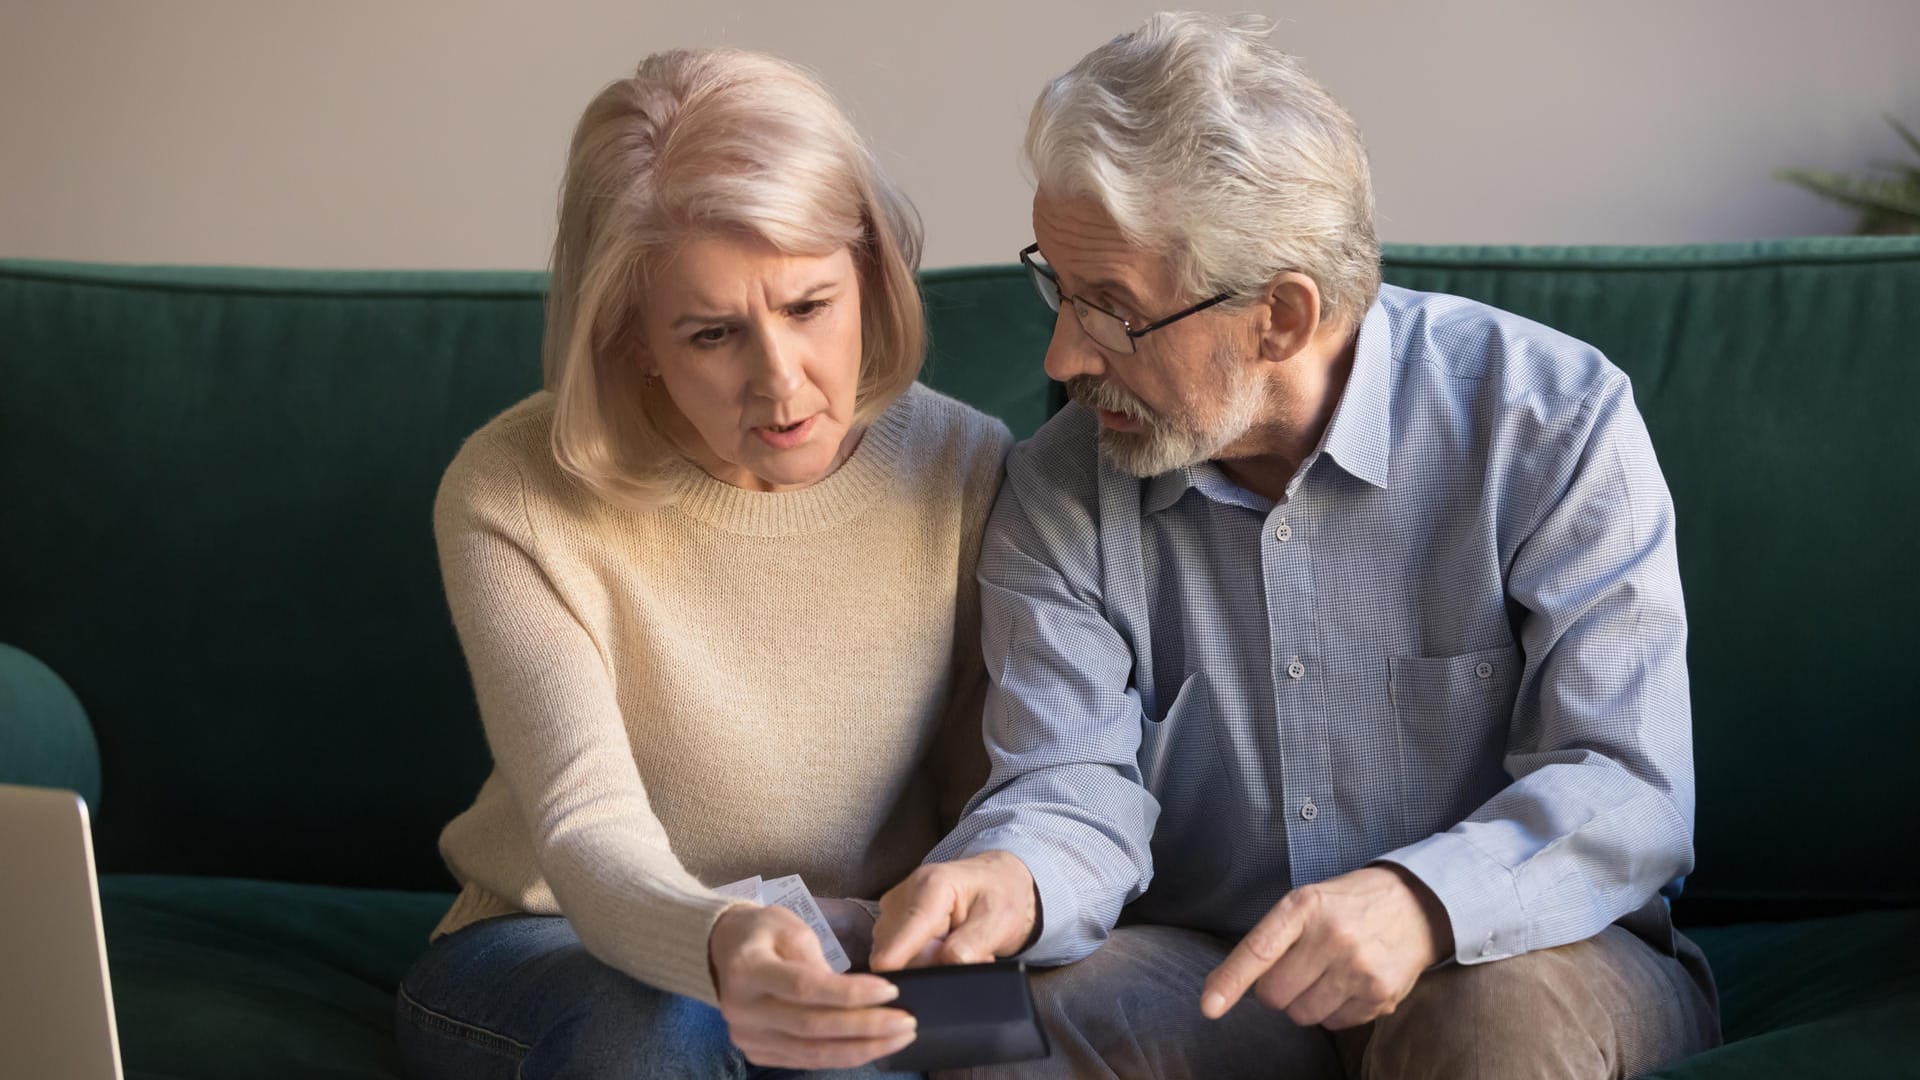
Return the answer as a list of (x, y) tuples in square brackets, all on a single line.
[(736, 683)]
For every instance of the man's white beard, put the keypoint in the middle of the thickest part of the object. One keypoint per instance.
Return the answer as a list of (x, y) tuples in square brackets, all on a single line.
[(1177, 440)]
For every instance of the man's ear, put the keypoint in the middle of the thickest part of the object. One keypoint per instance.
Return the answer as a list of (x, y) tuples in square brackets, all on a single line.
[(1291, 316)]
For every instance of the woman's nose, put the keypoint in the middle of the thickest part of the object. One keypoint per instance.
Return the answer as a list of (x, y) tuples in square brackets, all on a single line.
[(778, 372)]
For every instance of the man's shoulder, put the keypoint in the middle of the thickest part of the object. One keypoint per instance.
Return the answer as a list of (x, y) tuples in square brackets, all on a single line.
[(1063, 454), (1473, 350)]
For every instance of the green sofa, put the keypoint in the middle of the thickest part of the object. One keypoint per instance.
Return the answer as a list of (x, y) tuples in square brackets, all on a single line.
[(218, 583)]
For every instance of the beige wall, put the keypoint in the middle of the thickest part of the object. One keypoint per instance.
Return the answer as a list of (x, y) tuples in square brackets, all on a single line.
[(430, 134)]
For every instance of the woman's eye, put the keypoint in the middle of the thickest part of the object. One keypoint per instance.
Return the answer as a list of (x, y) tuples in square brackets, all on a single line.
[(807, 309), (712, 335)]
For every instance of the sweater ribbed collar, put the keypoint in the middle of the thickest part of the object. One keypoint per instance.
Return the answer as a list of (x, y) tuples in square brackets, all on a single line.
[(871, 470)]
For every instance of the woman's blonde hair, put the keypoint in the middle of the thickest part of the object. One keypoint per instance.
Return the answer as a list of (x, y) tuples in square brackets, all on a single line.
[(697, 142)]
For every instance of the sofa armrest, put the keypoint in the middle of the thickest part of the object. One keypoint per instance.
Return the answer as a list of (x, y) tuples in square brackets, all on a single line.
[(45, 739)]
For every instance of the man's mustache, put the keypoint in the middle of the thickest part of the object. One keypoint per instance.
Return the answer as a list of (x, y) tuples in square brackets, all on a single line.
[(1097, 393)]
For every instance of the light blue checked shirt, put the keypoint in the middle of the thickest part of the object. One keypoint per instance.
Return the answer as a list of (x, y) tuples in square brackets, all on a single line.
[(1456, 643)]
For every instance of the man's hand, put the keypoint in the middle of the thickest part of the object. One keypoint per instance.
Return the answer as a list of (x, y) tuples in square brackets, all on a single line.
[(785, 1007), (1337, 954), (853, 926), (983, 907)]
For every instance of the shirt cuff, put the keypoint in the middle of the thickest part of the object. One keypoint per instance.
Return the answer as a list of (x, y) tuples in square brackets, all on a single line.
[(1057, 911), (1478, 893)]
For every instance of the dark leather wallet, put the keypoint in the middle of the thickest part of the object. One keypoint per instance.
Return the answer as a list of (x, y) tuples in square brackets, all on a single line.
[(969, 1014)]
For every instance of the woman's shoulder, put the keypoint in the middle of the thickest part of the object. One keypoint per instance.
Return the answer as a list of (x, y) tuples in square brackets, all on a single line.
[(514, 450)]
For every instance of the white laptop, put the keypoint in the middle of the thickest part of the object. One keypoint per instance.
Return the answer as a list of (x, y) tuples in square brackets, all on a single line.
[(56, 1005)]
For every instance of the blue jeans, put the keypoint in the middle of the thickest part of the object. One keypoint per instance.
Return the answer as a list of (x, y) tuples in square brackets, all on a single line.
[(519, 998)]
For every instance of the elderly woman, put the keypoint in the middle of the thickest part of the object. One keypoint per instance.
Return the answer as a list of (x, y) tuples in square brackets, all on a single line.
[(715, 584)]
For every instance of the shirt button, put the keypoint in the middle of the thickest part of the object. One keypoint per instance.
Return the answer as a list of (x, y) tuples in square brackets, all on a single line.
[(1483, 669), (1296, 670), (1284, 533), (1487, 948), (1309, 811)]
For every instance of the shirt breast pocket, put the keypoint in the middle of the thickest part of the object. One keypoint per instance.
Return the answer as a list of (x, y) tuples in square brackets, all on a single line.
[(1181, 766), (1452, 714)]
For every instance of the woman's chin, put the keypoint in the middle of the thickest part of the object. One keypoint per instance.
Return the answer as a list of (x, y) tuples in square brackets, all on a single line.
[(792, 469)]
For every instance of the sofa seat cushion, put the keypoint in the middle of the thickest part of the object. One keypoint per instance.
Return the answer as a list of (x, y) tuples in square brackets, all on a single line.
[(1816, 997), (217, 978)]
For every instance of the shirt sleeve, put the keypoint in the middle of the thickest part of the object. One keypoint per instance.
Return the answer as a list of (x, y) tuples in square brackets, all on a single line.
[(1062, 727), (1599, 814), (559, 742), (959, 763)]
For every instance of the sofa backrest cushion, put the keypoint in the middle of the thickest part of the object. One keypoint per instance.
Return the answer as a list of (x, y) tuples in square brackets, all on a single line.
[(215, 489)]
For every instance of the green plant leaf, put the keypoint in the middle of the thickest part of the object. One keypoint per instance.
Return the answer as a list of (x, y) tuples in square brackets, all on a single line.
[(1912, 140), (1900, 198)]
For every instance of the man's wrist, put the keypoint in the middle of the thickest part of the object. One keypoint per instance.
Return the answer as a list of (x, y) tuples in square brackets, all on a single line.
[(1002, 861), (1439, 925)]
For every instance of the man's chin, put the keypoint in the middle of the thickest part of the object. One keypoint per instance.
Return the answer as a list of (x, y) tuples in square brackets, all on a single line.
[(1144, 454)]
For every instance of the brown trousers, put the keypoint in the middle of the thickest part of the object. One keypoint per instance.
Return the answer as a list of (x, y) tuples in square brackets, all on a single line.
[(1611, 1006)]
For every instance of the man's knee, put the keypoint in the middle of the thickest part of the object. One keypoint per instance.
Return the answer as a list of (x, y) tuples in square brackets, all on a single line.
[(1536, 1015), (1142, 980), (1132, 1009)]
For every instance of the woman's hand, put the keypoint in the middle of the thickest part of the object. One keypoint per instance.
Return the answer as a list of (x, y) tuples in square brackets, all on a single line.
[(785, 1007)]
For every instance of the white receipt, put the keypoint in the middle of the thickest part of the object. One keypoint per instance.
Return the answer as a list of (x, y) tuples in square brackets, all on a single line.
[(791, 893), (744, 889)]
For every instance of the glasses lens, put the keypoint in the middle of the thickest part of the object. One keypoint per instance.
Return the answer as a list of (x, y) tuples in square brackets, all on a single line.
[(1043, 282), (1106, 330)]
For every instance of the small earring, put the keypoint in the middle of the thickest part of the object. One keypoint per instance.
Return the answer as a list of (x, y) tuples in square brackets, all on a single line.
[(648, 381)]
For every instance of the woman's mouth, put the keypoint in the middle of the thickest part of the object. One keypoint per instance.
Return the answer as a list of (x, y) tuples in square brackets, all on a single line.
[(786, 436)]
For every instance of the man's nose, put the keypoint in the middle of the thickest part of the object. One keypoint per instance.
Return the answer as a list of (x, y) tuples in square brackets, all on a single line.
[(1071, 352)]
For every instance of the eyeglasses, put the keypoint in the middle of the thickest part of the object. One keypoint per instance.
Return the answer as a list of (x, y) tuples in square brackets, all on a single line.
[(1108, 330)]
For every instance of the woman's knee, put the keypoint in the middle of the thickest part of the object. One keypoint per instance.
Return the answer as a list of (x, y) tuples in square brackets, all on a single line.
[(524, 993), (616, 1027)]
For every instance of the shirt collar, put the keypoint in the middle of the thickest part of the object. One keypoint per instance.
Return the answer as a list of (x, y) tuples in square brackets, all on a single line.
[(1359, 437), (1165, 489)]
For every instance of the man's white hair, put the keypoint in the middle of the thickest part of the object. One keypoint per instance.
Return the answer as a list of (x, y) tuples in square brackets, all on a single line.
[(1202, 140)]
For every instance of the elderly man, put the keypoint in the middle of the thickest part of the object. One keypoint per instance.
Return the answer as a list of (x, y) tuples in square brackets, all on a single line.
[(1336, 633)]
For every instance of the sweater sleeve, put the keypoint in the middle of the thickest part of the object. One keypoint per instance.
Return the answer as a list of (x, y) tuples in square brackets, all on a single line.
[(553, 724)]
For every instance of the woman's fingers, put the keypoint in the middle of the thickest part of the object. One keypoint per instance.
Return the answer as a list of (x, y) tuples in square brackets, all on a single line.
[(820, 987), (789, 1009), (815, 1022)]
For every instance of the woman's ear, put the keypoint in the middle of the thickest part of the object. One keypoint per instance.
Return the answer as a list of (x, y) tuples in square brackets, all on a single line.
[(632, 338), (1291, 316)]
